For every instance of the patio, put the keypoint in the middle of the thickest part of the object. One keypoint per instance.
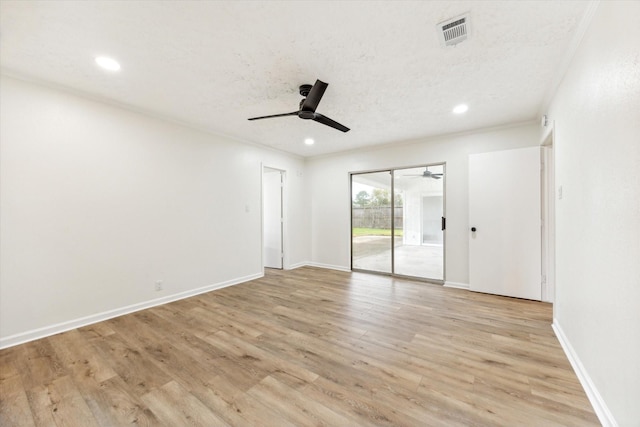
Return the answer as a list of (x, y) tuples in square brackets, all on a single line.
[(374, 253)]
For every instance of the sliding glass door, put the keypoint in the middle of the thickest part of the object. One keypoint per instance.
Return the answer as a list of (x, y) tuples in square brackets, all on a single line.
[(419, 251), (371, 221), (398, 221)]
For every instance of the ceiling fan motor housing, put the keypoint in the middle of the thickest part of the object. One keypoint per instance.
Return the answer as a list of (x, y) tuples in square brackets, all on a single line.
[(305, 89), (306, 114)]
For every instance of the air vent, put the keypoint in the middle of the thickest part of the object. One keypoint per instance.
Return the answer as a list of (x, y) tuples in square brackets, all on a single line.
[(454, 30)]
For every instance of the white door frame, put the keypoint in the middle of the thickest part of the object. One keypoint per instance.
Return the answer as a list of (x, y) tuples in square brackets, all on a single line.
[(283, 224), (548, 216)]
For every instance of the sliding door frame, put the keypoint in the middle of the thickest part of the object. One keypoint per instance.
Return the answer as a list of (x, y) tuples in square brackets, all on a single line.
[(392, 191)]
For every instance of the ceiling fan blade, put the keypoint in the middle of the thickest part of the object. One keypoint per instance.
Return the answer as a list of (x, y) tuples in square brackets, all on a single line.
[(314, 96), (295, 113), (327, 121)]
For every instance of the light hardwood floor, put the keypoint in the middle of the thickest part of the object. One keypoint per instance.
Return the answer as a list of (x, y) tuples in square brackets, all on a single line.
[(303, 347)]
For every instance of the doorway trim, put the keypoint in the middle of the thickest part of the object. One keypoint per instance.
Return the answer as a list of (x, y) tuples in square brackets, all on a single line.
[(548, 215)]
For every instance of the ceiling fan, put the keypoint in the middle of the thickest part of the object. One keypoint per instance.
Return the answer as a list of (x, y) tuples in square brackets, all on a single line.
[(428, 174), (307, 110)]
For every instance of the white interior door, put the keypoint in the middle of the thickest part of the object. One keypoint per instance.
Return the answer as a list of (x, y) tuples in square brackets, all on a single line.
[(272, 217), (504, 210)]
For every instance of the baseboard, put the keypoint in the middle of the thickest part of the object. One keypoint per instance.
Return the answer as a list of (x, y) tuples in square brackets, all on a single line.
[(457, 285), (599, 406), (297, 265), (47, 331), (328, 266)]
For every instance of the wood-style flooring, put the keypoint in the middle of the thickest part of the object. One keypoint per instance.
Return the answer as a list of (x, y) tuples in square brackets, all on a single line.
[(307, 347)]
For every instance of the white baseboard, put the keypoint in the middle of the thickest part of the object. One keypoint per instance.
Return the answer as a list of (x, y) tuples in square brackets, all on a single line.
[(457, 285), (57, 328), (599, 406), (297, 265), (328, 266)]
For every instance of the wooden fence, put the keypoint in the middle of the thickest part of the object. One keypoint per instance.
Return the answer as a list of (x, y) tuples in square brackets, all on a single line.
[(376, 217)]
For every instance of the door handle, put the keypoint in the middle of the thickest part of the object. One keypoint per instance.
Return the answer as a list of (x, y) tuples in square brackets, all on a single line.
[(473, 229), (443, 223)]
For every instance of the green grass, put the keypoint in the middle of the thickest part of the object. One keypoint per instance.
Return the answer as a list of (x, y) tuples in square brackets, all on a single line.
[(356, 232)]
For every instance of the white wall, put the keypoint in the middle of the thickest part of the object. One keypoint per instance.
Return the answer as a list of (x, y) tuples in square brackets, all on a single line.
[(596, 112), (328, 179), (97, 203)]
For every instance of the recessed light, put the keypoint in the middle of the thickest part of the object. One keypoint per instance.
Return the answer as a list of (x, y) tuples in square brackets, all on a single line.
[(309, 141), (107, 63), (459, 109)]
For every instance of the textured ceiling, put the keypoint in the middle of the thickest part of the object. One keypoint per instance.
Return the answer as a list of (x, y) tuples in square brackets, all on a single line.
[(213, 64)]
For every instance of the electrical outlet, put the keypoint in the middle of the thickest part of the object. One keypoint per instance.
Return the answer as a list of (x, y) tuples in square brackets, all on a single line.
[(158, 285)]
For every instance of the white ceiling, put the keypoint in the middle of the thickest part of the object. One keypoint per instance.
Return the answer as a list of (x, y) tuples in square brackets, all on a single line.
[(213, 64)]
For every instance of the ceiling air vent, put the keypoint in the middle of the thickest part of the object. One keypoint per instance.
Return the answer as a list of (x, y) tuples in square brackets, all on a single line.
[(454, 30)]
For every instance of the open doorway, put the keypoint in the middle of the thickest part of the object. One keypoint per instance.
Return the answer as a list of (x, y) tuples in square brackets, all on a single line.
[(272, 217)]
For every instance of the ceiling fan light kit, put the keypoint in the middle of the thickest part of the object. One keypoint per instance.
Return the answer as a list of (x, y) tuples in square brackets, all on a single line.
[(307, 109)]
